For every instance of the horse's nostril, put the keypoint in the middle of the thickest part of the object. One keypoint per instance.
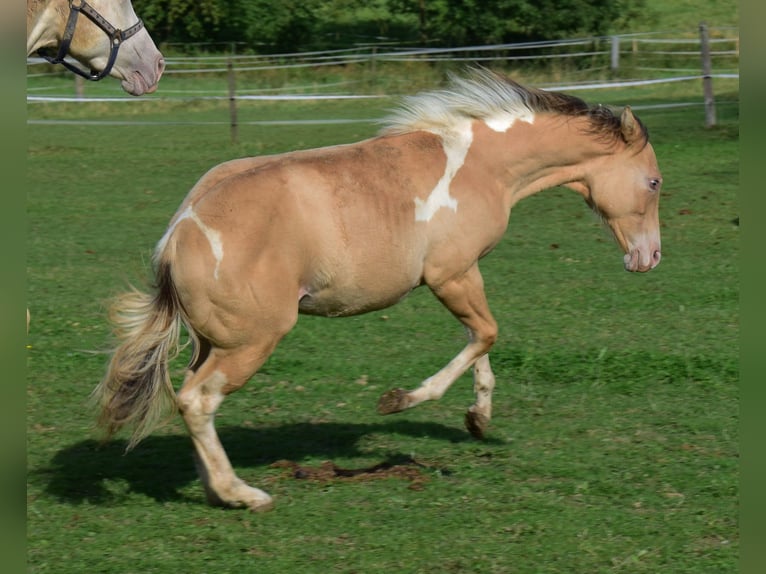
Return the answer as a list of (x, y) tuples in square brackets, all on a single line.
[(656, 256)]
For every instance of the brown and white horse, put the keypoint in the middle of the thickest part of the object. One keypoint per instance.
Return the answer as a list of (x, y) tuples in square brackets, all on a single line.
[(348, 229), (106, 36)]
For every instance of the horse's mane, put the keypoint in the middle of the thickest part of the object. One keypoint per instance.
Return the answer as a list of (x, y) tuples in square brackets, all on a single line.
[(483, 94)]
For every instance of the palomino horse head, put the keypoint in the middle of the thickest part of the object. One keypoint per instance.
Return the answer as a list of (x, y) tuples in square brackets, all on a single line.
[(624, 188), (106, 36)]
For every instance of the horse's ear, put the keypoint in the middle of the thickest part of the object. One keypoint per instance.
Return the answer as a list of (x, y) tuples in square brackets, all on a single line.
[(631, 130)]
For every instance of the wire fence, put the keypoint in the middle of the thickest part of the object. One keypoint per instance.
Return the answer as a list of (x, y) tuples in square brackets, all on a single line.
[(599, 53), (603, 62)]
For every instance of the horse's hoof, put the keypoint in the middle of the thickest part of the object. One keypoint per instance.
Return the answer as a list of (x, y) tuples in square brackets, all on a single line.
[(393, 401), (240, 496), (262, 506), (476, 423)]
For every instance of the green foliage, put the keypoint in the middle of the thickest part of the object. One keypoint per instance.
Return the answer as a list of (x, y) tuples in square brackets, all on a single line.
[(268, 26), (281, 26), (183, 20), (474, 22), (265, 25)]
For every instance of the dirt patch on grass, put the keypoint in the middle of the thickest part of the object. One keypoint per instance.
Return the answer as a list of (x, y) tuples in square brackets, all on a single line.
[(409, 469)]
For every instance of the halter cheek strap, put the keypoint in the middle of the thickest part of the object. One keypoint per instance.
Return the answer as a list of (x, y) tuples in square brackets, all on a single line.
[(116, 38)]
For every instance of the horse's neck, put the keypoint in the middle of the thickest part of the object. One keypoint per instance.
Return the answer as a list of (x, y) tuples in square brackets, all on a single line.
[(545, 153), (43, 22)]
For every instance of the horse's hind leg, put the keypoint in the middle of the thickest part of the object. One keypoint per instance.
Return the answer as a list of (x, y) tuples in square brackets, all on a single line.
[(221, 373), (464, 297)]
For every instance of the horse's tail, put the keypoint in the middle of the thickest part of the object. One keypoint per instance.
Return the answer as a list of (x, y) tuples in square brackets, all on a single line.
[(136, 390)]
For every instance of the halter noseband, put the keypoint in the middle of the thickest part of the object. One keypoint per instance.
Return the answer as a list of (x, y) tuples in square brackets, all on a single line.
[(116, 37)]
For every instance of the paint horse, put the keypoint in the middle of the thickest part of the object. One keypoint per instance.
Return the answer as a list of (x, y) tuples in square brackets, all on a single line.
[(348, 229), (103, 35)]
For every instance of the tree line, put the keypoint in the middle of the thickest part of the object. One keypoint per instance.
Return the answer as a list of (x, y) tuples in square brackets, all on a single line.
[(269, 26)]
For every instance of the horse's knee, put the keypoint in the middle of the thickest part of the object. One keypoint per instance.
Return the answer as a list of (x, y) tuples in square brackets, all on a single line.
[(486, 336)]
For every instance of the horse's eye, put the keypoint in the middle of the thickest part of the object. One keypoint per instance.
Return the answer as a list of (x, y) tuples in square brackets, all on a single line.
[(654, 184)]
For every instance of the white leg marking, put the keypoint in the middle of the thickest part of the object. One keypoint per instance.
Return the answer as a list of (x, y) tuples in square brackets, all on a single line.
[(483, 385), (456, 143), (213, 237), (435, 386), (198, 405)]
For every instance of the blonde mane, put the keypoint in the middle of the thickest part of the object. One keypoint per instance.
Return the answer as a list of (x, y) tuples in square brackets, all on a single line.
[(483, 94)]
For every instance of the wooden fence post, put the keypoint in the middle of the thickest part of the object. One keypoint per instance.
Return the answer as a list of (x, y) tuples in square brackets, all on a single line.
[(707, 79), (615, 54), (79, 86), (232, 100)]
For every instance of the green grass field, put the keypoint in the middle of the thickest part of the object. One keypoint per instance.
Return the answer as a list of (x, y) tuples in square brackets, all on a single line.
[(614, 443)]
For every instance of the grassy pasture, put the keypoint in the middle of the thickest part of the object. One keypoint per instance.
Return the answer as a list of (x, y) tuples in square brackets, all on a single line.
[(614, 445)]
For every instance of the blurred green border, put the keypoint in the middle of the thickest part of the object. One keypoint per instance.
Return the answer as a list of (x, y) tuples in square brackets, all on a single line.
[(751, 198), (13, 300)]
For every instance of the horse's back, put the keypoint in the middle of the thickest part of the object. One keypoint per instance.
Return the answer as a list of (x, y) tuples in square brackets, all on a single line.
[(352, 194)]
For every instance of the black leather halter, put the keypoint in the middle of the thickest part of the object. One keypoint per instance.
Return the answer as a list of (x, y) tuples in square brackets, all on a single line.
[(116, 38)]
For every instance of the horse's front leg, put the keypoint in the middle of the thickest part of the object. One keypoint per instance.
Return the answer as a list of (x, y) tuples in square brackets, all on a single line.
[(478, 416), (464, 297)]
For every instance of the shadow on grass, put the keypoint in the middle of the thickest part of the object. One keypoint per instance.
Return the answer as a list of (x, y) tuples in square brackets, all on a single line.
[(160, 466)]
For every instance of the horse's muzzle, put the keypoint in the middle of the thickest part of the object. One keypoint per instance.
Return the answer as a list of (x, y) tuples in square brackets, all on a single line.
[(636, 260), (138, 84)]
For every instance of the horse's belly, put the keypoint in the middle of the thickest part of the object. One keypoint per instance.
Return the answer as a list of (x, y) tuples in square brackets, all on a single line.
[(347, 300)]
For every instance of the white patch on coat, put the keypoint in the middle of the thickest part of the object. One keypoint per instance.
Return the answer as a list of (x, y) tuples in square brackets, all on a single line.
[(213, 236), (503, 121), (456, 142)]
